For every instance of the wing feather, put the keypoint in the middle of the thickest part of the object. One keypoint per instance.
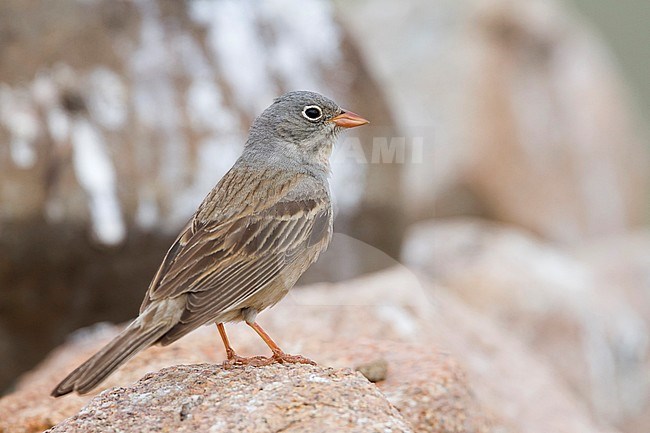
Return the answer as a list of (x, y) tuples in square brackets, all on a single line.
[(218, 264)]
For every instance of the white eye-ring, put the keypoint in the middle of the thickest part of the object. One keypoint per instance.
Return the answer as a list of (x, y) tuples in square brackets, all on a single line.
[(312, 113)]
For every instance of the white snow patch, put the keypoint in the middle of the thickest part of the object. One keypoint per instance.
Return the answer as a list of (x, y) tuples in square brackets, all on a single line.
[(204, 107), (22, 153), (191, 56), (44, 90), (306, 38), (208, 114), (107, 98), (302, 37), (156, 100), (19, 117), (233, 35), (205, 104), (96, 174), (58, 124), (215, 157), (147, 213), (45, 93)]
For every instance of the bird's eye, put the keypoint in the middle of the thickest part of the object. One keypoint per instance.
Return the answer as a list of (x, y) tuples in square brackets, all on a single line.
[(312, 112)]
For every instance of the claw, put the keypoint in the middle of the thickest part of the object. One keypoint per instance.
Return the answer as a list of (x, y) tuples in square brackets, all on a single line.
[(235, 360), (261, 361), (285, 358)]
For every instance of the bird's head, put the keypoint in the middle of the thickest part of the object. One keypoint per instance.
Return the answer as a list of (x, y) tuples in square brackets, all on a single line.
[(301, 124)]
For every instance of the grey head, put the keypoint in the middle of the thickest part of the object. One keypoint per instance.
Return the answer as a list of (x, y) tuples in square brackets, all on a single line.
[(300, 129)]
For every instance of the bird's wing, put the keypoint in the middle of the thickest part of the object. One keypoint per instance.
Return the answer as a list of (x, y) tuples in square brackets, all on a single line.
[(218, 264)]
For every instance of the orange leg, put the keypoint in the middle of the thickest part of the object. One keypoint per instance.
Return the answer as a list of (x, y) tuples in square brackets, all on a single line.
[(233, 358), (230, 352), (278, 354)]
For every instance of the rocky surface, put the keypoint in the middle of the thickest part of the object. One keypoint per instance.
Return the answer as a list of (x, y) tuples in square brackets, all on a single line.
[(585, 309), (277, 398), (448, 369), (622, 265)]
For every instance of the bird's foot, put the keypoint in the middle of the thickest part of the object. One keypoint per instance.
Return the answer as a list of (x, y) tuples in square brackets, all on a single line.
[(278, 357), (236, 360), (285, 358)]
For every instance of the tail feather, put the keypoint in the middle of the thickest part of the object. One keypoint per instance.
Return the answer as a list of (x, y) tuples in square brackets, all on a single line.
[(92, 372)]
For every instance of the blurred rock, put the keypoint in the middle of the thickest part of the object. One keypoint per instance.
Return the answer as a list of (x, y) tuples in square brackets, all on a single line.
[(622, 264), (375, 371), (489, 383), (594, 333), (116, 119), (190, 398), (515, 111)]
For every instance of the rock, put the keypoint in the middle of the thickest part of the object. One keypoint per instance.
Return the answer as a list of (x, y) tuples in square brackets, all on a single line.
[(514, 110), (430, 388), (448, 368), (375, 371), (190, 398), (564, 307), (622, 264)]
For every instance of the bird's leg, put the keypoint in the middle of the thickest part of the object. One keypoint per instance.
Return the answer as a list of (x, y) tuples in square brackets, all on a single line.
[(230, 352), (233, 358), (278, 354)]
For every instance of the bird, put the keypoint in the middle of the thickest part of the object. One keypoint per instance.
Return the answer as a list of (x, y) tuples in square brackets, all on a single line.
[(255, 233)]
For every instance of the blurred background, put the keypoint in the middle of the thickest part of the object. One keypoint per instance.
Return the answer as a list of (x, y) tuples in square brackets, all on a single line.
[(507, 159)]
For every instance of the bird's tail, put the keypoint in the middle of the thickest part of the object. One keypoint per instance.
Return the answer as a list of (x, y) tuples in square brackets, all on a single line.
[(88, 375)]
